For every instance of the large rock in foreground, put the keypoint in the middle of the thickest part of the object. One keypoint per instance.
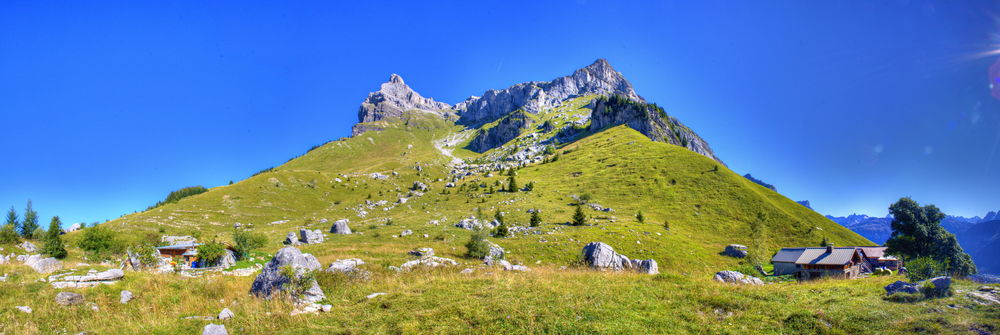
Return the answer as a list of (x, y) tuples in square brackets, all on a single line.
[(901, 286), (271, 281), (340, 227), (601, 256)]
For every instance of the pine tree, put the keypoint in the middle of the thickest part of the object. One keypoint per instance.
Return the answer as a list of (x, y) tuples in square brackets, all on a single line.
[(501, 229), (53, 243), (530, 186), (825, 242), (579, 218), (12, 217), (536, 219), (638, 216), (666, 225), (511, 184), (30, 222)]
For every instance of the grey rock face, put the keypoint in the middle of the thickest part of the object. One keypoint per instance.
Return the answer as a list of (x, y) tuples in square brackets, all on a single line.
[(214, 329), (648, 119), (69, 298), (310, 236), (601, 256), (430, 261), (340, 227), (942, 286), (291, 239), (345, 265), (735, 250), (177, 239), (271, 281), (507, 129), (901, 286), (422, 252), (734, 277), (125, 297), (228, 259), (597, 78), (392, 99), (43, 265), (28, 246)]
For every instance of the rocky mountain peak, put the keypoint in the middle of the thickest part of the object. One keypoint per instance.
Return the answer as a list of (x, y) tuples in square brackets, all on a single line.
[(392, 99), (533, 97)]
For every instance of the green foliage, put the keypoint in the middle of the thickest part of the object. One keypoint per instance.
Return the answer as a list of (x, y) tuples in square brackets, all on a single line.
[(924, 268), (209, 254), (298, 281), (246, 242), (825, 242), (501, 230), (477, 247), (30, 223), (579, 219), (905, 297), (639, 217), (917, 233), (53, 243), (536, 219), (12, 217), (586, 197), (512, 184), (177, 195), (530, 186), (100, 242), (8, 235)]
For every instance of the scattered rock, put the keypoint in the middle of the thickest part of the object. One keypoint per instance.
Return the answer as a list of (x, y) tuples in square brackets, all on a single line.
[(734, 277), (271, 280), (406, 233), (901, 286), (291, 239), (430, 261), (25, 309), (310, 236), (174, 240), (214, 329), (326, 308), (28, 246), (374, 295), (43, 265), (601, 256), (125, 297), (467, 271), (69, 298), (422, 252), (340, 227), (735, 250), (226, 314), (350, 268), (418, 186), (91, 279), (941, 286)]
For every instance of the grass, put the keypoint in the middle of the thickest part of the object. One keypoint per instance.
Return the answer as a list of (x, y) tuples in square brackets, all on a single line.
[(706, 205)]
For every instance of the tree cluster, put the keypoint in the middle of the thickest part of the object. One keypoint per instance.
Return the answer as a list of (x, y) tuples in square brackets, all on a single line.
[(917, 233)]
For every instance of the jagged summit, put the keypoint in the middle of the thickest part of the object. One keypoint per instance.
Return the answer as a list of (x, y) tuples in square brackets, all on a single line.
[(392, 99), (597, 78)]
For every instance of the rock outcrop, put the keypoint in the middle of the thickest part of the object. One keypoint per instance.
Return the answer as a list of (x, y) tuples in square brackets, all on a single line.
[(272, 281), (340, 227), (508, 128), (649, 119), (392, 99), (214, 329), (734, 277), (601, 256), (735, 250), (89, 280), (43, 265), (533, 97), (68, 298)]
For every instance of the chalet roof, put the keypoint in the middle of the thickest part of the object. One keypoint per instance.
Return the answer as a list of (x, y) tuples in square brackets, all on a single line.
[(819, 256), (179, 246)]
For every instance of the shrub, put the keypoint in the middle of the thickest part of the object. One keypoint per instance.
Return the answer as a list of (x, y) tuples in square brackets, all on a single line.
[(930, 291), (100, 242), (246, 242), (210, 253), (8, 235), (297, 284), (640, 217), (501, 230), (536, 219), (924, 268), (477, 247)]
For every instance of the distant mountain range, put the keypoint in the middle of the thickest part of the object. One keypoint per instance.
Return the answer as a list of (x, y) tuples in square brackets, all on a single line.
[(979, 236)]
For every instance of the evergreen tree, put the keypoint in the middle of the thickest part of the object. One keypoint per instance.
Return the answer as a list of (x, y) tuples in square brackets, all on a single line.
[(511, 184), (53, 243), (536, 219), (640, 217), (501, 229), (530, 186), (30, 222), (917, 233), (666, 225), (579, 218), (12, 217), (825, 242)]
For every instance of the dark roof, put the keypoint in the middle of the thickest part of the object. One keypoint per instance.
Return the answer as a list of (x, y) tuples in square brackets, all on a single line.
[(838, 256)]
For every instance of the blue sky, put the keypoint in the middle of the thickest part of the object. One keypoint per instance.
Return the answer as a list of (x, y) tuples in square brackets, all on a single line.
[(108, 106)]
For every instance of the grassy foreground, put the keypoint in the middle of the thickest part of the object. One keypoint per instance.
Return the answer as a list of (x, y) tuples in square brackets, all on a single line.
[(546, 300)]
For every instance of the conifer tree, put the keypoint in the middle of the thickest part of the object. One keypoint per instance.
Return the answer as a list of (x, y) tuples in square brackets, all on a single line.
[(53, 243), (536, 218), (12, 217), (511, 184), (30, 222), (579, 218), (501, 229), (640, 217)]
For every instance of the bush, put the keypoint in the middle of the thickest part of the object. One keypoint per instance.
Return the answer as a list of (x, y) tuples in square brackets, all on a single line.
[(177, 195), (246, 242), (924, 268), (640, 217), (477, 247), (210, 253), (930, 291), (8, 235), (100, 242)]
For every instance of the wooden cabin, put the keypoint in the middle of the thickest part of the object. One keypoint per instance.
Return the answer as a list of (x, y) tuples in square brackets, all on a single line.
[(878, 259), (808, 263), (188, 253)]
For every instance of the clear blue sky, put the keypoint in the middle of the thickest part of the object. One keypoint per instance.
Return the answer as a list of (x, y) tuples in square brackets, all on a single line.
[(107, 106)]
